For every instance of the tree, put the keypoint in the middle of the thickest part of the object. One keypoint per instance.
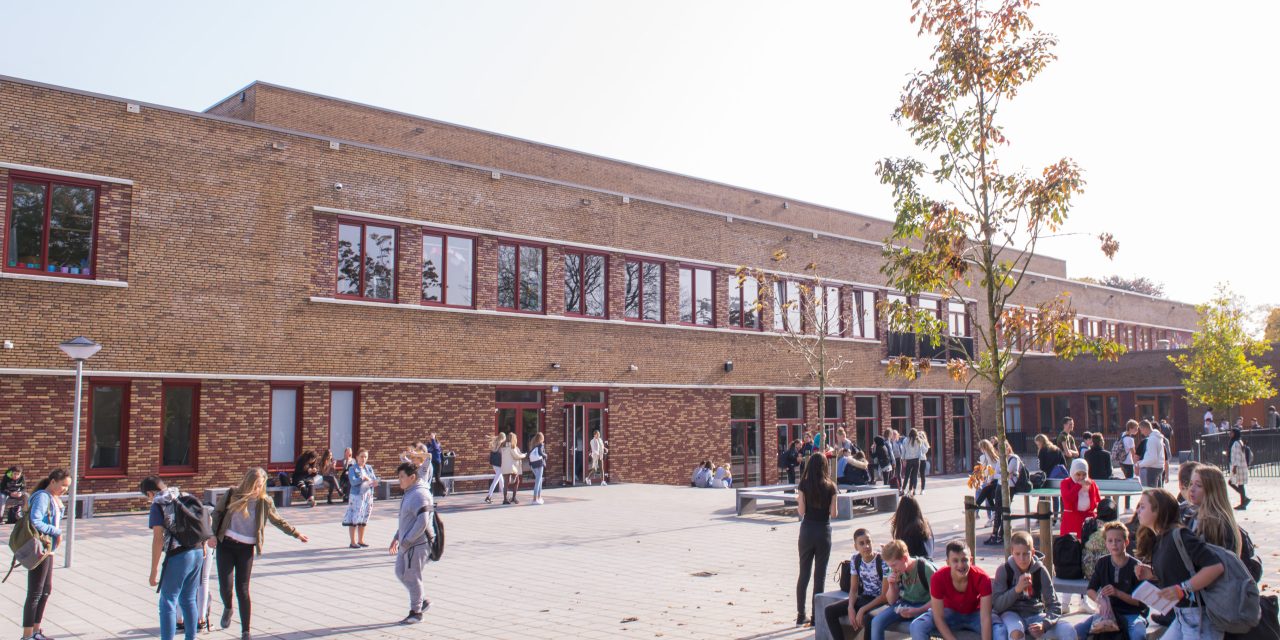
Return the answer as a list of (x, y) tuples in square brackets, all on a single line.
[(1272, 332), (804, 318), (983, 238), (1217, 371), (1136, 284)]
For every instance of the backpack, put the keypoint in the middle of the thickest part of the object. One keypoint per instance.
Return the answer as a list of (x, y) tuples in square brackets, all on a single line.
[(1037, 479), (846, 573), (437, 539), (1232, 601), (28, 545), (192, 523), (1118, 452), (1023, 485), (1068, 557), (782, 458), (495, 458), (1248, 453)]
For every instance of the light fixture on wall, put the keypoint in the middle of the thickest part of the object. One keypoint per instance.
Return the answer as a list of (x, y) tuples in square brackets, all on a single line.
[(555, 365), (728, 366), (633, 368)]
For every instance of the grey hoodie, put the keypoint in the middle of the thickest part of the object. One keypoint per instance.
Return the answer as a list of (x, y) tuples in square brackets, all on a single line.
[(413, 520), (1004, 598)]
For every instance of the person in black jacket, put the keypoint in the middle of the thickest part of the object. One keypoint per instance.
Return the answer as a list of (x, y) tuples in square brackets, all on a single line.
[(1099, 459), (13, 493), (1050, 455), (791, 460), (304, 473)]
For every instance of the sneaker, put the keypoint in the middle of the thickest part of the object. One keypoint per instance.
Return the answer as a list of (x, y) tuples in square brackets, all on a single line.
[(604, 483), (412, 618), (538, 501), (39, 635), (245, 635), (588, 482), (426, 604), (351, 546), (362, 545), (226, 617)]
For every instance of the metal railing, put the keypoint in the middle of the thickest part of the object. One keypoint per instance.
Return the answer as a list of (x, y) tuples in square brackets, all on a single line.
[(1265, 443)]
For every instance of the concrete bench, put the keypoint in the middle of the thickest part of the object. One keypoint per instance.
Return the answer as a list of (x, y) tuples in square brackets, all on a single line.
[(897, 631), (282, 496), (885, 499), (747, 498), (85, 501), (449, 481)]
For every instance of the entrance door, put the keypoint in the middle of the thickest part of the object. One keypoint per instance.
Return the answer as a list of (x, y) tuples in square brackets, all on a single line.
[(1147, 409), (934, 431), (962, 432), (744, 440), (519, 415), (584, 414)]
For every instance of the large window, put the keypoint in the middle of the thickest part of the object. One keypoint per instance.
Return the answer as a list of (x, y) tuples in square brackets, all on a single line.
[(900, 413), (1102, 413), (643, 291), (862, 324), (366, 260), (108, 427), (520, 270), (286, 424), (744, 296), (866, 413), (344, 418), (1013, 414), (585, 275), (1052, 410), (829, 314), (51, 225), (697, 295), (786, 306), (180, 424), (790, 416), (448, 269)]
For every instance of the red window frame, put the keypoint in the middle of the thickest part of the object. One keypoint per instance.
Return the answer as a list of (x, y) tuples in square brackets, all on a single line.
[(582, 274), (860, 314), (395, 258), (193, 467), (276, 465), (120, 471), (444, 268), (781, 313), (693, 295), (662, 288), (355, 419), (49, 181), (738, 288), (869, 423), (498, 272)]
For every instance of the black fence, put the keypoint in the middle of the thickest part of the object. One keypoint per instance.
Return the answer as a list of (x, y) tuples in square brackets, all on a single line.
[(1265, 443)]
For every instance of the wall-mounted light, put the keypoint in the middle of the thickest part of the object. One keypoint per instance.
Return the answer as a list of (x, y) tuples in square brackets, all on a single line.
[(555, 365), (633, 368), (728, 366)]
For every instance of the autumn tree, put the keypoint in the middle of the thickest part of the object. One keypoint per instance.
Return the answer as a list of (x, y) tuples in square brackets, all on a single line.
[(1217, 370), (1136, 284), (979, 237), (1272, 331)]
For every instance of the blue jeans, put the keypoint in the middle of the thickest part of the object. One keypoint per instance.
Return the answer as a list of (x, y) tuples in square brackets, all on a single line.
[(1010, 622), (179, 581), (923, 626), (1133, 624), (537, 481), (889, 617)]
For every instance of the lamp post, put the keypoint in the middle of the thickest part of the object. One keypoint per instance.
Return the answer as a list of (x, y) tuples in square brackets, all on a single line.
[(78, 349)]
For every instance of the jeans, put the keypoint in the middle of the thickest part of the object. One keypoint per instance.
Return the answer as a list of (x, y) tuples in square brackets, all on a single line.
[(333, 485), (537, 481), (888, 617), (815, 550), (1010, 622), (235, 557), (179, 581), (1133, 624), (497, 483), (923, 626), (1190, 623), (1151, 477)]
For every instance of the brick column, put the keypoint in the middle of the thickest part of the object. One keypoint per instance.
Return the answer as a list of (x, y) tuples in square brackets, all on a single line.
[(884, 413), (409, 265), (671, 292), (616, 286), (554, 434), (769, 438), (722, 280), (486, 284), (554, 281), (315, 417), (949, 444), (324, 254)]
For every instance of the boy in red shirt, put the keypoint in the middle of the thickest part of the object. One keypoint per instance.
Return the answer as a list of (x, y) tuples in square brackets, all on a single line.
[(960, 598)]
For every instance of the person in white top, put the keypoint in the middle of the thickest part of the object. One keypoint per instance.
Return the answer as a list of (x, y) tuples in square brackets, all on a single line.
[(723, 479), (1130, 442), (538, 461), (911, 462), (1239, 469), (924, 459), (597, 452), (512, 467), (1153, 463), (1210, 427)]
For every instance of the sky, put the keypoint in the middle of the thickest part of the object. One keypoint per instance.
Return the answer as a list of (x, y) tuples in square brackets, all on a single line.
[(1169, 107)]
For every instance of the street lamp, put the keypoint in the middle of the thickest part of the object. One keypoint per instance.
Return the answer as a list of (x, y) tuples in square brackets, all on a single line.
[(78, 349)]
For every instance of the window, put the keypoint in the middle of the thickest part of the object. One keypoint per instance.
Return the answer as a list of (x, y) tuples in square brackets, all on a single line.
[(448, 270), (1052, 410), (863, 321), (829, 313), (520, 269), (866, 412), (696, 296), (584, 397), (344, 418), (957, 319), (743, 298), (931, 425), (51, 225), (900, 413), (1102, 413), (643, 291), (518, 395), (366, 260), (834, 408), (786, 306), (790, 419), (961, 435), (180, 426), (286, 424), (744, 445), (1013, 414), (108, 427), (901, 340), (790, 407), (585, 275)]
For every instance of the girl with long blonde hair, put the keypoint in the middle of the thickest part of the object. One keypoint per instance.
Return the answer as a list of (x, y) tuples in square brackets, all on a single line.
[(239, 522), (1214, 520), (495, 460)]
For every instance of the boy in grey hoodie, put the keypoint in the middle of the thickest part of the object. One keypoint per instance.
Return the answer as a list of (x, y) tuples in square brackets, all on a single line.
[(413, 539), (1023, 597)]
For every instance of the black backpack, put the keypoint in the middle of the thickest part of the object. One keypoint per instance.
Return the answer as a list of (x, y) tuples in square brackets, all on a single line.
[(1068, 557), (437, 539), (1023, 485), (192, 522), (495, 458)]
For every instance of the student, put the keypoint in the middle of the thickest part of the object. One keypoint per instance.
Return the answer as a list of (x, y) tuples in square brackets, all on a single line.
[(701, 476), (867, 571), (992, 493), (906, 588), (1095, 544), (597, 451), (1080, 497), (420, 458), (1157, 513), (179, 579), (816, 502), (512, 467), (1130, 460), (437, 456), (537, 462), (495, 460), (413, 538), (1113, 578), (984, 473), (13, 493), (1098, 457), (924, 460), (911, 462), (909, 525), (882, 456), (1213, 519), (1023, 598), (1153, 463), (723, 478), (304, 473), (239, 527), (1050, 457), (1186, 510), (46, 513), (960, 598), (1273, 417), (1239, 469), (328, 470), (791, 460), (344, 480), (854, 469), (363, 482), (1066, 441)]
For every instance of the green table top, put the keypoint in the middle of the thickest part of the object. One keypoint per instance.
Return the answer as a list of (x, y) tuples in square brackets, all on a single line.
[(1106, 492)]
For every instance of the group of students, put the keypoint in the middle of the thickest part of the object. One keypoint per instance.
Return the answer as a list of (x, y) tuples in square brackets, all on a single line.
[(896, 459), (507, 461), (709, 475)]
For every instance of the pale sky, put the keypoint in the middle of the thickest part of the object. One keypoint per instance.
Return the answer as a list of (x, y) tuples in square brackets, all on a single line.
[(1170, 107)]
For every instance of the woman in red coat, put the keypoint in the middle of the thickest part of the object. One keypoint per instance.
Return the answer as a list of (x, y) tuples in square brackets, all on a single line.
[(1080, 499)]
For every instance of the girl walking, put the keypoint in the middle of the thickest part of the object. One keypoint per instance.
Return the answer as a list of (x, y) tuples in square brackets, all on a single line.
[(363, 482), (537, 461), (239, 522), (911, 466), (1239, 469), (495, 461), (511, 466), (816, 501), (45, 512)]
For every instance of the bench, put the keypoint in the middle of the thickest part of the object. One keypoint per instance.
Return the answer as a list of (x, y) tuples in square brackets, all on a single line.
[(85, 500), (899, 630), (282, 496), (885, 498), (450, 480), (748, 497)]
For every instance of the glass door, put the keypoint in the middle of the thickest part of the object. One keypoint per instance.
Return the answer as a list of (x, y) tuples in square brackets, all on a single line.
[(584, 415), (933, 430), (961, 431), (744, 440), (519, 415)]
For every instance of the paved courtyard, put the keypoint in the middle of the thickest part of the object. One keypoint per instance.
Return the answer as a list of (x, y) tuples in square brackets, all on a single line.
[(593, 562)]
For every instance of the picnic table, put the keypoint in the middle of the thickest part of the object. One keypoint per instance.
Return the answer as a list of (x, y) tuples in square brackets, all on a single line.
[(884, 498), (1116, 488)]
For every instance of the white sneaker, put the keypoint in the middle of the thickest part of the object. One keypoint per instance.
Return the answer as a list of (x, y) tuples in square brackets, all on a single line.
[(538, 501), (603, 483), (588, 482)]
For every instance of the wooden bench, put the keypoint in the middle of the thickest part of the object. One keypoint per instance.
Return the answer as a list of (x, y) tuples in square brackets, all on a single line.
[(85, 501), (282, 496)]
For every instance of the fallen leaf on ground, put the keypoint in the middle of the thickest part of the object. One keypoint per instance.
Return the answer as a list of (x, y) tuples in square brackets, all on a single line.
[(629, 619), (703, 574)]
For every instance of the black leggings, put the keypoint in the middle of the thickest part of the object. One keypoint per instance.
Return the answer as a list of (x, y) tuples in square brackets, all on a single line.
[(835, 610), (332, 482), (912, 469), (305, 487), (1239, 488), (815, 549), (991, 495), (39, 588), (238, 557)]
